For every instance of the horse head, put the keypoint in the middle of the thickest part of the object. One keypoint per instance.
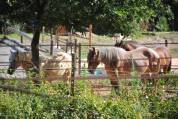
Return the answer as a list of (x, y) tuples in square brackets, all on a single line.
[(119, 44), (13, 60), (123, 44), (20, 58), (93, 59)]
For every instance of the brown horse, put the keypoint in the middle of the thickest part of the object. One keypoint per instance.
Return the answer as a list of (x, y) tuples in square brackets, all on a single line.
[(118, 62), (163, 52), (59, 65)]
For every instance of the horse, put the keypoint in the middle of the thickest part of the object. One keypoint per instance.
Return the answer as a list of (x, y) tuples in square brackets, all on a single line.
[(17, 59), (118, 62), (163, 52), (59, 65)]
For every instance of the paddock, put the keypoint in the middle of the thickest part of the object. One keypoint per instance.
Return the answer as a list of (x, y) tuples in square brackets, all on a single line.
[(98, 81)]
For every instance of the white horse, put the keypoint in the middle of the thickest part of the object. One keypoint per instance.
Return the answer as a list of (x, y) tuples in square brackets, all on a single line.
[(53, 68), (59, 65)]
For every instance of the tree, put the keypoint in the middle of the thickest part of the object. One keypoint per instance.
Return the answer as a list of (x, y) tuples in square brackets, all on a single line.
[(26, 11), (4, 10), (51, 13)]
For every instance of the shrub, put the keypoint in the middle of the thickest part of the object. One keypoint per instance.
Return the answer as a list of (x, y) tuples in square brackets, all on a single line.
[(131, 103)]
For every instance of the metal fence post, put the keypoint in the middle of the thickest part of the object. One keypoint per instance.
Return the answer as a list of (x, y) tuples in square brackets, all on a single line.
[(71, 43), (21, 39), (79, 59), (73, 73), (67, 45), (75, 48), (51, 46), (57, 40), (166, 43), (43, 32), (90, 35)]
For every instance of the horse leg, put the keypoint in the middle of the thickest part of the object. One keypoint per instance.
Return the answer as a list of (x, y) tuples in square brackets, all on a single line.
[(144, 81), (67, 76), (113, 79), (155, 83)]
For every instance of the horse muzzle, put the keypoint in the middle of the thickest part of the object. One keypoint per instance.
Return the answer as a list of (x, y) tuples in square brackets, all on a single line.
[(91, 71), (10, 71)]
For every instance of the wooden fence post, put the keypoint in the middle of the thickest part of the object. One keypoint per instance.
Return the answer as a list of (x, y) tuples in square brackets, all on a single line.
[(51, 46), (166, 43), (79, 59), (73, 73), (75, 48), (90, 33)]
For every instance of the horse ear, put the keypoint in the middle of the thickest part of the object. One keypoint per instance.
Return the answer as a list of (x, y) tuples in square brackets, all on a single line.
[(13, 50), (90, 49), (97, 52), (93, 49)]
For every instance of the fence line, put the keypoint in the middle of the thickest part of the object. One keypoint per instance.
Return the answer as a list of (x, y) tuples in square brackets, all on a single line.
[(75, 45), (97, 44)]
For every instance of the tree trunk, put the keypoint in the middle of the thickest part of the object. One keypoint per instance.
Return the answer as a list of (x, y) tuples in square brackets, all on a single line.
[(35, 46)]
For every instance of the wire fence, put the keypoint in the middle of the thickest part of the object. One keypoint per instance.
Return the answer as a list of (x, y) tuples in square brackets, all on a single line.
[(79, 65)]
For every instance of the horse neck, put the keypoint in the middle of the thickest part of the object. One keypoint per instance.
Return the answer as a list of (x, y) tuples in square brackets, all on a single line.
[(131, 47), (25, 61)]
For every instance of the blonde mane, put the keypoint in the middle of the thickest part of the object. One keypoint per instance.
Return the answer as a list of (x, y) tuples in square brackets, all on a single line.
[(112, 56)]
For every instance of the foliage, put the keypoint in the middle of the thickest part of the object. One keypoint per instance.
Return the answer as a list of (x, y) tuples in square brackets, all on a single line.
[(162, 24), (85, 104), (107, 16)]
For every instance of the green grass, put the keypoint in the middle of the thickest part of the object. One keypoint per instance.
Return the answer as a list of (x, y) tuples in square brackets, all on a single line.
[(153, 35)]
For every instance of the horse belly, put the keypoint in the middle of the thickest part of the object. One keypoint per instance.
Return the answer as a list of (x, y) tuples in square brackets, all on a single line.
[(141, 66)]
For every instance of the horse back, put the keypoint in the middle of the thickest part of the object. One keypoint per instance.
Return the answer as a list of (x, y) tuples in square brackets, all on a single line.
[(163, 51)]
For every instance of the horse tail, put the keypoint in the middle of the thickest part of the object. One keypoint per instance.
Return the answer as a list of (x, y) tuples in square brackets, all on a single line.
[(169, 66), (148, 55)]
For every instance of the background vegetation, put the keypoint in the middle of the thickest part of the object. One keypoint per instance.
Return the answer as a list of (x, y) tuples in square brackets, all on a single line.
[(128, 17)]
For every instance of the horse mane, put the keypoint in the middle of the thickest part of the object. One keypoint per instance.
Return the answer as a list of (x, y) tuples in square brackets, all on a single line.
[(24, 56), (111, 55)]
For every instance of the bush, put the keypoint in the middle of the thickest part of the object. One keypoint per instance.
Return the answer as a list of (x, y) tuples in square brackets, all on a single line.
[(130, 103)]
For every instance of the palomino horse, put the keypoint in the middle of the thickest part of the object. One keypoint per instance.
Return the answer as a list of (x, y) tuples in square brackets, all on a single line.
[(118, 62), (163, 52), (59, 65)]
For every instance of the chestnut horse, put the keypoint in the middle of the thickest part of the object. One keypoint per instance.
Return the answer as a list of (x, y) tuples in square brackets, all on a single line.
[(163, 52), (119, 62), (59, 65)]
